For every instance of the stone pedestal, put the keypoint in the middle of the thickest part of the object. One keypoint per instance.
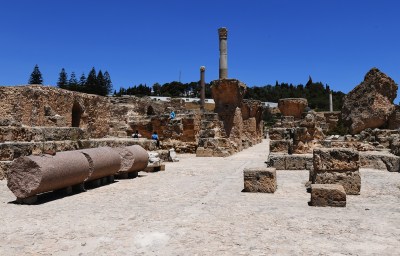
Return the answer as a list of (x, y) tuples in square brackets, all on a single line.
[(337, 166), (328, 195), (260, 179)]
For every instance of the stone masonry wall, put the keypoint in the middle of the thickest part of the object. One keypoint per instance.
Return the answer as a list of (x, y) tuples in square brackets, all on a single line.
[(37, 105)]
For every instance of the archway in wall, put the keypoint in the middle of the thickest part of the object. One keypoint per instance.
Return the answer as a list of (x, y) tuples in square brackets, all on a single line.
[(77, 112)]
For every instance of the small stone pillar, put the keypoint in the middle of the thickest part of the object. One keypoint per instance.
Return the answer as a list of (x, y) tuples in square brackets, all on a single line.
[(330, 102), (261, 179), (332, 195), (223, 53), (203, 87)]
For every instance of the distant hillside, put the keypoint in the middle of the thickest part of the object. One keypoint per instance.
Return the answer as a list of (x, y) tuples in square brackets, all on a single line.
[(316, 93)]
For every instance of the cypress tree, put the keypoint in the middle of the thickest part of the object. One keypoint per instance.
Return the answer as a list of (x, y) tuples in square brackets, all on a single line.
[(63, 80), (36, 76)]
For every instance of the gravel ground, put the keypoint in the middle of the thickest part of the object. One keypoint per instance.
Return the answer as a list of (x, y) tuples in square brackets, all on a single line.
[(196, 207)]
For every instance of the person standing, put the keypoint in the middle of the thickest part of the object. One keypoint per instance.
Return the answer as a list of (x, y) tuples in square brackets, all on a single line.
[(154, 136)]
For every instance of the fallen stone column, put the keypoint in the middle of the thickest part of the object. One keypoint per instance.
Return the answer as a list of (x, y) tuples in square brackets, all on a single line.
[(141, 158), (32, 175), (133, 159), (103, 162)]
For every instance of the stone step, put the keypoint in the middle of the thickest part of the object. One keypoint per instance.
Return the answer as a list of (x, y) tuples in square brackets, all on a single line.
[(11, 150), (12, 133)]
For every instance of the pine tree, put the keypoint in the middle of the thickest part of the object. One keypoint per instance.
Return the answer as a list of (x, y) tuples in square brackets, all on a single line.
[(91, 82), (36, 76), (82, 83), (101, 85), (73, 83), (63, 80), (108, 82)]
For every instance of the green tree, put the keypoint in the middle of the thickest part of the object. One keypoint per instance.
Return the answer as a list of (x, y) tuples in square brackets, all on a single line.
[(63, 79), (82, 82), (91, 82), (73, 83), (108, 83), (36, 76), (101, 85), (157, 89)]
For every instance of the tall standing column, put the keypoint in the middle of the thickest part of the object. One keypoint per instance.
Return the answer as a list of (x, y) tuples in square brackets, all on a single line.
[(202, 86), (330, 102), (223, 53)]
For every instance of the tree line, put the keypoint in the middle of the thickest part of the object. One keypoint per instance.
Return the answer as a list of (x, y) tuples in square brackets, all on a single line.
[(99, 83), (94, 83), (316, 93), (172, 89)]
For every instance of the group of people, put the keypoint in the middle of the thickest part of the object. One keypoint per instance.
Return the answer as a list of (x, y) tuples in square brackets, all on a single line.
[(154, 136)]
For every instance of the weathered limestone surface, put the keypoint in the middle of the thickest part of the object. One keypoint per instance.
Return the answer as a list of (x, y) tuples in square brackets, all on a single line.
[(328, 195), (4, 167), (13, 133), (290, 162), (37, 105), (228, 95), (380, 160), (394, 119), (337, 166), (336, 159), (280, 146), (260, 180), (292, 106), (370, 104), (278, 133)]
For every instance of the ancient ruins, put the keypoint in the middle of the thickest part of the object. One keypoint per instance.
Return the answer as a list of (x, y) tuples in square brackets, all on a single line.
[(41, 124), (306, 140), (54, 141)]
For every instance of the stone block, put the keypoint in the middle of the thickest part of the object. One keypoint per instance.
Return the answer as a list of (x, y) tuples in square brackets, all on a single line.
[(292, 106), (337, 166), (336, 159), (299, 162), (204, 152), (260, 179), (380, 160), (290, 162), (277, 161), (4, 166), (278, 133), (328, 195), (350, 180), (280, 146)]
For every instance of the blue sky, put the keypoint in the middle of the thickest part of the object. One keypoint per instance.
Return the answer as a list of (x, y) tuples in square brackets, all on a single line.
[(335, 41)]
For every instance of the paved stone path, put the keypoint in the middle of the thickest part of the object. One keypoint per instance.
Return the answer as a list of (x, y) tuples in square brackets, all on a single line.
[(196, 207)]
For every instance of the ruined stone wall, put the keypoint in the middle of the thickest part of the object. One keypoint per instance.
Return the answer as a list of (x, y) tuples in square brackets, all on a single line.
[(37, 105), (241, 120)]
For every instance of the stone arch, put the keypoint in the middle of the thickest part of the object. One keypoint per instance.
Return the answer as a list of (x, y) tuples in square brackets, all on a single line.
[(77, 112)]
